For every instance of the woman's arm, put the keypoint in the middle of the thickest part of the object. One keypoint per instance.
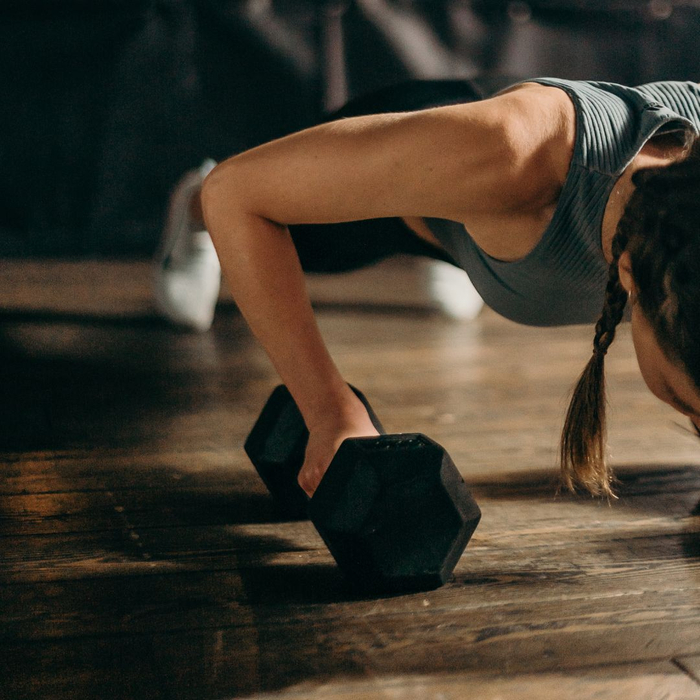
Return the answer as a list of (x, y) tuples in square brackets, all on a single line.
[(451, 162)]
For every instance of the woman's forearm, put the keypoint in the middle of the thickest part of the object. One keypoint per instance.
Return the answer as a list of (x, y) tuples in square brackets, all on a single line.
[(265, 277)]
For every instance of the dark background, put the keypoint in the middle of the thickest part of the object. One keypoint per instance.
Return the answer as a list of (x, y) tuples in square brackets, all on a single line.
[(106, 102)]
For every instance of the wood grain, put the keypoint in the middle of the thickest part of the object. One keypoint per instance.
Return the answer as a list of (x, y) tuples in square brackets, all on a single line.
[(691, 665), (639, 681), (142, 557)]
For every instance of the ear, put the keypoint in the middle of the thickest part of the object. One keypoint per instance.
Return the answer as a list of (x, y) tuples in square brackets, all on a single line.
[(624, 267)]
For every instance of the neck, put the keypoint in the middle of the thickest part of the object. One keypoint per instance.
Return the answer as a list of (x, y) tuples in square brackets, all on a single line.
[(619, 197), (655, 153)]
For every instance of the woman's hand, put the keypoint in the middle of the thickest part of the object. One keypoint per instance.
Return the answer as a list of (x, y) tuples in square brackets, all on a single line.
[(324, 441)]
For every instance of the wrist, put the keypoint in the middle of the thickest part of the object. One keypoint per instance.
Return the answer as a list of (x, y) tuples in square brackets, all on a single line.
[(338, 405)]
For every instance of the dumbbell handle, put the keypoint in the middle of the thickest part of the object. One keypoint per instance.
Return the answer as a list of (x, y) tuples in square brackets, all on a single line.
[(281, 477), (370, 411)]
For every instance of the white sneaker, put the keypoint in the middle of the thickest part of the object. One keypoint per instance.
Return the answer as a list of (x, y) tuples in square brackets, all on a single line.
[(186, 274), (453, 292)]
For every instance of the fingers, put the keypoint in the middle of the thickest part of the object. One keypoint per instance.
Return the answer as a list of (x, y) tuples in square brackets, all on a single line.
[(320, 450), (308, 484), (323, 443), (310, 477)]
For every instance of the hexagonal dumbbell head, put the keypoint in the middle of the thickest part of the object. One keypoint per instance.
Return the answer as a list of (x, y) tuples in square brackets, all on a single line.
[(394, 512), (276, 447)]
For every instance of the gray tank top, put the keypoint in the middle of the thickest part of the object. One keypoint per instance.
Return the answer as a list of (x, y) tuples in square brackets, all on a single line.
[(562, 280)]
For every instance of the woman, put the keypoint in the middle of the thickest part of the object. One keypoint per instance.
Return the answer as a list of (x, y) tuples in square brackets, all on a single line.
[(559, 199)]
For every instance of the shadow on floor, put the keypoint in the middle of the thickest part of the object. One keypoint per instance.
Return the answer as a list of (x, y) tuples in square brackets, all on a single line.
[(648, 486), (116, 382)]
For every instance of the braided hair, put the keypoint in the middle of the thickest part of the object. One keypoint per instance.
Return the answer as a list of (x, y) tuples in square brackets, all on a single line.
[(660, 229)]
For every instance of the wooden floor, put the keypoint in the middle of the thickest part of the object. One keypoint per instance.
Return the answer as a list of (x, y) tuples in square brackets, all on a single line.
[(141, 557)]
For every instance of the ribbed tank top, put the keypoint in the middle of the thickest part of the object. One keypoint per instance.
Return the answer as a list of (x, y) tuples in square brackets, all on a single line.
[(562, 280)]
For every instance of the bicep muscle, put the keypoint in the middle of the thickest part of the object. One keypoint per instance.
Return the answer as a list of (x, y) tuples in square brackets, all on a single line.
[(448, 162)]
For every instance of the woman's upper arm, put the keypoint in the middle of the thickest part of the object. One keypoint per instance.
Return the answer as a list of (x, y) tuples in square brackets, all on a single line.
[(449, 162)]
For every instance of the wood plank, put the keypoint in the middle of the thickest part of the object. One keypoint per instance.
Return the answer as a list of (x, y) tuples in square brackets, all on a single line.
[(78, 286), (119, 667), (535, 529), (124, 667), (69, 286), (304, 585), (363, 651), (112, 468), (204, 490), (125, 469), (111, 553), (456, 392), (524, 513), (131, 520), (691, 665), (267, 657), (290, 597), (628, 682), (96, 511)]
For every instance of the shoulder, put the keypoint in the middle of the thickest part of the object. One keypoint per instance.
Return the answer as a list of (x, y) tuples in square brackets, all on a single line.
[(517, 145), (540, 122), (542, 110)]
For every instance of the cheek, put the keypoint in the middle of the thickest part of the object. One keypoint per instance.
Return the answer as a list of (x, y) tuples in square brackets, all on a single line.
[(651, 378), (648, 363)]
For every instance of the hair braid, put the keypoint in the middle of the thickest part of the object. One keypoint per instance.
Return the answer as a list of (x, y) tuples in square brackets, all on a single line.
[(660, 230), (583, 440), (615, 299)]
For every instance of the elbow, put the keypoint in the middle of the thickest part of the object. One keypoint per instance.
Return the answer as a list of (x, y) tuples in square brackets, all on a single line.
[(217, 194), (223, 204), (228, 204)]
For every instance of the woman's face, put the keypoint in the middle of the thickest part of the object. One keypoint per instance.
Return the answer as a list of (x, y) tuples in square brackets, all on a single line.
[(665, 379)]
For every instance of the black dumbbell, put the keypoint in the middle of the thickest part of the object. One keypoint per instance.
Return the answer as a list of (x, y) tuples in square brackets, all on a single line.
[(393, 510), (277, 445)]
